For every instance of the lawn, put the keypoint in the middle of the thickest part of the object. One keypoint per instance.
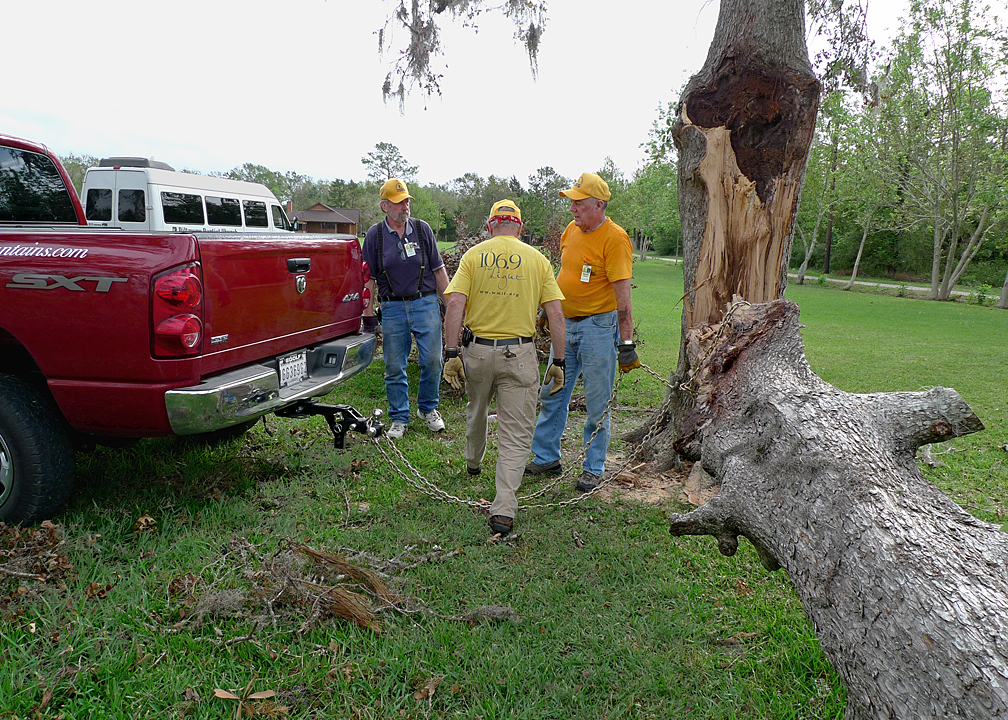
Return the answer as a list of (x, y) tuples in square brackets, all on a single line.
[(179, 569)]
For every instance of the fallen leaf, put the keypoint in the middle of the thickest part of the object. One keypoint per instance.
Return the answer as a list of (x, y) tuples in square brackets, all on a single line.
[(427, 691), (145, 523)]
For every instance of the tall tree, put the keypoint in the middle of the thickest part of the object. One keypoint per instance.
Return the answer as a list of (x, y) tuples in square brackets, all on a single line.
[(277, 182), (77, 166), (823, 484), (949, 159), (546, 205), (385, 162)]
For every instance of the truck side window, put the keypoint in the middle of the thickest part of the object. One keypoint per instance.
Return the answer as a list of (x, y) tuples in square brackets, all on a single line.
[(182, 208), (280, 221), (99, 204), (255, 214), (132, 206), (32, 190), (223, 211)]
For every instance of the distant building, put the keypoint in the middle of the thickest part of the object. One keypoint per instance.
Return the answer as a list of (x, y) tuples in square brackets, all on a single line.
[(321, 218)]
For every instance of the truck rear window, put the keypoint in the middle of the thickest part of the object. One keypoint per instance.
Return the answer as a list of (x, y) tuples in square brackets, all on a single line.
[(132, 206), (223, 211), (98, 205), (255, 214), (182, 208), (32, 190)]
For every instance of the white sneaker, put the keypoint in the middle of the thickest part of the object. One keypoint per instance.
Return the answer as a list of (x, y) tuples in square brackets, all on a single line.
[(434, 421), (396, 430)]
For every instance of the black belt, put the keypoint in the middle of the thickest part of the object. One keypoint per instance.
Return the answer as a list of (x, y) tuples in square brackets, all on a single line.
[(578, 318), (504, 341), (406, 298)]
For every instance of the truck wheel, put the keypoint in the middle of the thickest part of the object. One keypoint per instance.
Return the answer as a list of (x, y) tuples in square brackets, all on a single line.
[(36, 455)]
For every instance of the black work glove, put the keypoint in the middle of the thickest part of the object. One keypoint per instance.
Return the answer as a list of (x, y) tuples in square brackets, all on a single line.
[(370, 323), (627, 357)]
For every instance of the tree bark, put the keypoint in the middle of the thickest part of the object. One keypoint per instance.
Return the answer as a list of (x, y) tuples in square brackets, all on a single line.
[(908, 593), (745, 126), (857, 261)]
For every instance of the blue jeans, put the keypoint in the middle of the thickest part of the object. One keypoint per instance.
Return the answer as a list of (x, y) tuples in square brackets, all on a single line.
[(401, 322), (590, 351)]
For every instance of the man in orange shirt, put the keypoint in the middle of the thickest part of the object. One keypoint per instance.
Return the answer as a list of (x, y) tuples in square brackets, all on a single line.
[(596, 267)]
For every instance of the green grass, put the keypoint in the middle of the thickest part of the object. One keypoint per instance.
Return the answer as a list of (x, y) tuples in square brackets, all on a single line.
[(634, 624)]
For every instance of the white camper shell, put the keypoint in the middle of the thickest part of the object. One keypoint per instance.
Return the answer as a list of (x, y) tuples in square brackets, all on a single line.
[(144, 195)]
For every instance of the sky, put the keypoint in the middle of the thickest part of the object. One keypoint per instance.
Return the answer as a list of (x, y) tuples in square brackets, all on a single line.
[(208, 85)]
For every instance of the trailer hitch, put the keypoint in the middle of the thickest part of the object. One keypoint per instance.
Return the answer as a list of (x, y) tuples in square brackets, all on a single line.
[(340, 418)]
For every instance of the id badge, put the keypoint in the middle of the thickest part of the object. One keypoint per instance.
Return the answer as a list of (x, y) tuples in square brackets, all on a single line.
[(410, 249), (586, 273)]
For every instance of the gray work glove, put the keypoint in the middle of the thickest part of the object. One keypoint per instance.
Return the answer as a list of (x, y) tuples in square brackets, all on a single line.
[(627, 357)]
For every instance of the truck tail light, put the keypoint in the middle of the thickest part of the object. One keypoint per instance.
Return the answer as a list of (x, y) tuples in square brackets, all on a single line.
[(365, 272), (366, 298), (176, 311)]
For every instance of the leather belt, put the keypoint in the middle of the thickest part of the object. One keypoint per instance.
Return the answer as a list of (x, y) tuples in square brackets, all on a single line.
[(578, 318), (503, 341), (405, 298)]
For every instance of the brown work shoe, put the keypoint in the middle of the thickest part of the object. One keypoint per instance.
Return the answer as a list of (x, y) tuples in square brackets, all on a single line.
[(588, 482), (501, 525), (534, 468)]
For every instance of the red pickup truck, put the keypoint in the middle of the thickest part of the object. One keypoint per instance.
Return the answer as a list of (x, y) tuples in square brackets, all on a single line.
[(113, 334)]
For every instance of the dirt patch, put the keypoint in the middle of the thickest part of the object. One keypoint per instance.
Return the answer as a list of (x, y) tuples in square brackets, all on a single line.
[(639, 485)]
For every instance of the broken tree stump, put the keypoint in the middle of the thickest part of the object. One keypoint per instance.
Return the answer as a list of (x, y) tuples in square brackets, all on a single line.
[(908, 593)]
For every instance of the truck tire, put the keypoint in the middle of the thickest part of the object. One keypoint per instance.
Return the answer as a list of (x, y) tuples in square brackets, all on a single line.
[(36, 455)]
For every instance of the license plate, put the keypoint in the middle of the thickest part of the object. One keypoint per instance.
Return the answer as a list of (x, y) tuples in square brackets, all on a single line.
[(292, 368)]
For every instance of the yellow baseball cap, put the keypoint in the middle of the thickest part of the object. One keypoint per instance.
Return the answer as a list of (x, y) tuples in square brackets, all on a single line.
[(588, 185), (394, 190), (505, 209)]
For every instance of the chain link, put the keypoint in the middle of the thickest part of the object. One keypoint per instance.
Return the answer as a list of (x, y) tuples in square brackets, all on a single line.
[(418, 482), (422, 484)]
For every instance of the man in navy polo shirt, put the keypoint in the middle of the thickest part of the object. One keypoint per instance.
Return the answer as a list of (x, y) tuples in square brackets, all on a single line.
[(410, 277)]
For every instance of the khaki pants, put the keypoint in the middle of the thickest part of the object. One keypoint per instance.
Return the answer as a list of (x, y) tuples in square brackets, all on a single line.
[(516, 382)]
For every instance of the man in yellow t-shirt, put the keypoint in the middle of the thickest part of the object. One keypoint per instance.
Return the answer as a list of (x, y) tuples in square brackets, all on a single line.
[(596, 267), (499, 287)]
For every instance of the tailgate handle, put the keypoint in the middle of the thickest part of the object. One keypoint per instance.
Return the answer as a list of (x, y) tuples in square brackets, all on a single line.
[(299, 265)]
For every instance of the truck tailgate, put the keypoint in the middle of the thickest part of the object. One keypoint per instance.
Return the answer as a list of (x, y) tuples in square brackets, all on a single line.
[(267, 294)]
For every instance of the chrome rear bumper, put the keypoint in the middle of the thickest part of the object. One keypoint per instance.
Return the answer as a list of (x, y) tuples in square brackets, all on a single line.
[(249, 392)]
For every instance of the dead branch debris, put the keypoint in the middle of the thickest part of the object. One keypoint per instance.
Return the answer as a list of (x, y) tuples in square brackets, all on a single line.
[(32, 554), (297, 581)]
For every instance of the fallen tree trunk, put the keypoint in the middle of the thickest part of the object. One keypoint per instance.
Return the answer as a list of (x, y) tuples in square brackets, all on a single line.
[(908, 593)]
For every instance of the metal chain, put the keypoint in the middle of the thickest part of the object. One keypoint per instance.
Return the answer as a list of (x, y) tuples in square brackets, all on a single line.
[(686, 385), (418, 482)]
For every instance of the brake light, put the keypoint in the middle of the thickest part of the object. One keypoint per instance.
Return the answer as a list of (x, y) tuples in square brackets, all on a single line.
[(181, 289), (176, 312), (365, 271), (366, 298)]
